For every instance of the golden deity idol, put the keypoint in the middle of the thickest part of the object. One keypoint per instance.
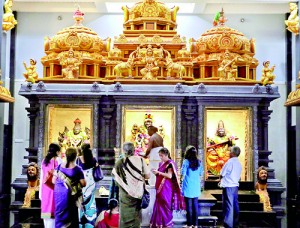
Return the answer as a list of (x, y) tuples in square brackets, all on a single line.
[(292, 22), (30, 74), (9, 20)]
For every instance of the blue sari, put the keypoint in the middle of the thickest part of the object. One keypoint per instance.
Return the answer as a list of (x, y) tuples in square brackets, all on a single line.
[(66, 211)]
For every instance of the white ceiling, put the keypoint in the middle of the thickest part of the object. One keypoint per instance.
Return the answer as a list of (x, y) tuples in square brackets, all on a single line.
[(201, 6)]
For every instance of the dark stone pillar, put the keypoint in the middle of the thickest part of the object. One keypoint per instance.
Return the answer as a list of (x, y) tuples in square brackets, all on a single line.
[(190, 111)]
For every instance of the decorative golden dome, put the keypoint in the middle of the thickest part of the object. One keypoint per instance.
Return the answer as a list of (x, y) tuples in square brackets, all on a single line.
[(150, 15), (77, 37), (219, 39)]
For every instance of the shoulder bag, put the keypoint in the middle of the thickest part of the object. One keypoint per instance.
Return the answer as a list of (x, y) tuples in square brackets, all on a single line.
[(145, 200), (97, 173)]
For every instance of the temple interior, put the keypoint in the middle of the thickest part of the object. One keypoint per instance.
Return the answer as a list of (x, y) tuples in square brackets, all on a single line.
[(215, 76)]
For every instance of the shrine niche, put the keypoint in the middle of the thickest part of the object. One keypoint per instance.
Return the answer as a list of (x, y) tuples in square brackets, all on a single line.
[(136, 119), (226, 128), (69, 125)]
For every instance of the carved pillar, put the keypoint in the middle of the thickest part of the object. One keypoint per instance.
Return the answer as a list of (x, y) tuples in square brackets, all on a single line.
[(201, 138), (107, 115), (255, 141), (32, 114), (265, 119), (189, 114), (178, 149), (41, 132), (95, 127)]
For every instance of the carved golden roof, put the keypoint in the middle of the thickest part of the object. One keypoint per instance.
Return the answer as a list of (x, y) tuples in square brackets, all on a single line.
[(77, 37), (218, 39), (150, 15)]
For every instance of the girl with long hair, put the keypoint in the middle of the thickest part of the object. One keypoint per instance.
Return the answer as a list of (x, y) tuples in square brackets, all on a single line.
[(109, 218), (191, 172), (88, 213)]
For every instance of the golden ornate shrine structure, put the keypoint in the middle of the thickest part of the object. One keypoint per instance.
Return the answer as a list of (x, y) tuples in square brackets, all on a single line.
[(150, 49)]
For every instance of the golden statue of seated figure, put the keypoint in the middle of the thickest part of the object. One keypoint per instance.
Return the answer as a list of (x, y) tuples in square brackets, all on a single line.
[(70, 65), (150, 71), (292, 22), (267, 74), (30, 74), (228, 68), (9, 20)]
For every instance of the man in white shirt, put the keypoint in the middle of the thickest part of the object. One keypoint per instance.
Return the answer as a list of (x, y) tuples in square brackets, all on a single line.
[(230, 176)]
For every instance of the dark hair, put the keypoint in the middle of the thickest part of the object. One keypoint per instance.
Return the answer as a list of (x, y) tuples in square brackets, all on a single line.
[(152, 128), (191, 155), (236, 150), (113, 203), (52, 152), (87, 155), (165, 151), (71, 154)]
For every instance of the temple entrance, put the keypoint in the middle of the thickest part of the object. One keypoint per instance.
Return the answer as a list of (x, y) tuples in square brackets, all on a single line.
[(136, 119), (226, 127)]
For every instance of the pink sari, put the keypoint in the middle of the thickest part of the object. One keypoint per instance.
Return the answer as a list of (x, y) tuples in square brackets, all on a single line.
[(47, 195), (168, 197)]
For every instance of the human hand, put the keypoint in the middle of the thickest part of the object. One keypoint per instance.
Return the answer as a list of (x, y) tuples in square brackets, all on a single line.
[(155, 171)]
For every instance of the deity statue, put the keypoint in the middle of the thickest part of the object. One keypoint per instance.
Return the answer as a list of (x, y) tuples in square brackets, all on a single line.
[(140, 136), (9, 20), (161, 131), (174, 68), (30, 74), (70, 65), (228, 68), (267, 74), (292, 22), (218, 149), (150, 71), (33, 182), (261, 188), (75, 137)]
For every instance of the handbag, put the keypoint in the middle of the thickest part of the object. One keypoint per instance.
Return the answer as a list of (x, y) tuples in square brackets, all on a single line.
[(49, 176), (97, 173), (145, 198), (146, 195)]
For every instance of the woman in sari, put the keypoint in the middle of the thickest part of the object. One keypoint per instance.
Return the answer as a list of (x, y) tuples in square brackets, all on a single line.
[(51, 161), (67, 175), (88, 213), (168, 195), (130, 173)]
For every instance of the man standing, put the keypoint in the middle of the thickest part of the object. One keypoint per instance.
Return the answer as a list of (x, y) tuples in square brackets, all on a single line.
[(230, 176), (156, 142)]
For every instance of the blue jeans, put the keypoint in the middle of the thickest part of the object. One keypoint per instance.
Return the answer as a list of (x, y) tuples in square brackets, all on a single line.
[(192, 211), (230, 207)]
